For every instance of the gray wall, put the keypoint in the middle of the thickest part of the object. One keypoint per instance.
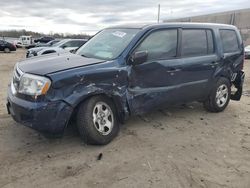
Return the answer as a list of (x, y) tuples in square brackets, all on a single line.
[(239, 18)]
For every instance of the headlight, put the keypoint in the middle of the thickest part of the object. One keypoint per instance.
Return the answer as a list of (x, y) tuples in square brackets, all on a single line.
[(32, 53), (34, 85)]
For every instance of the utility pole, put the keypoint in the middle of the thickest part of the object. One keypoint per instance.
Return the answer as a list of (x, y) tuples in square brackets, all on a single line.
[(159, 9)]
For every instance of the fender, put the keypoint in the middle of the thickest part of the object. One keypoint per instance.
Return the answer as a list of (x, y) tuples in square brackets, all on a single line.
[(77, 86)]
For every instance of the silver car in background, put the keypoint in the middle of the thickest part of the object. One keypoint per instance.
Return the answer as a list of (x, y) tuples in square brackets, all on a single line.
[(66, 45), (247, 52)]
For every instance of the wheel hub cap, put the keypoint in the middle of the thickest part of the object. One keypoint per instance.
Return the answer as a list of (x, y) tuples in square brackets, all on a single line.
[(103, 118), (222, 95)]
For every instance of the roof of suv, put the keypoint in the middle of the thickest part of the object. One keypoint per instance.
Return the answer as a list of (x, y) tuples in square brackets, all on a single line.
[(174, 24)]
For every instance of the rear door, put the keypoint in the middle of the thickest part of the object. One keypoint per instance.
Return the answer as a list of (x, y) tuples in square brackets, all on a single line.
[(199, 62)]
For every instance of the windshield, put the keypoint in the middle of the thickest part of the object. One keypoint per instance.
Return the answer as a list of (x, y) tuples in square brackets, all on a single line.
[(60, 43), (108, 44)]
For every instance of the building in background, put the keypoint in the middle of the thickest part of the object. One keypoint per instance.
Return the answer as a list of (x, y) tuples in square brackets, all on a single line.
[(239, 18)]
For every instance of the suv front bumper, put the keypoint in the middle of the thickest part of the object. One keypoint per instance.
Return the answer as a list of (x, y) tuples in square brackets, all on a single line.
[(47, 117)]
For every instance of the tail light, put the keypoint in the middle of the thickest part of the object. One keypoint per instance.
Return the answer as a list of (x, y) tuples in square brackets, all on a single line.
[(14, 46)]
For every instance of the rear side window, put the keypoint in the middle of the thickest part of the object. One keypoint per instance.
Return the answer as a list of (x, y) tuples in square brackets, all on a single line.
[(160, 44), (229, 41), (74, 43), (197, 42)]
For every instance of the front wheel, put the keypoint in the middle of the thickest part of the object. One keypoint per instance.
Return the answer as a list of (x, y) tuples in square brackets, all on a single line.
[(6, 50), (219, 97), (97, 120)]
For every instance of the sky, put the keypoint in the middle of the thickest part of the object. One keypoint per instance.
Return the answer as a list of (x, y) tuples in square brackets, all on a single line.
[(82, 16)]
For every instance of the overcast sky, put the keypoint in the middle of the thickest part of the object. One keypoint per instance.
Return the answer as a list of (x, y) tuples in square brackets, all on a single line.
[(82, 16)]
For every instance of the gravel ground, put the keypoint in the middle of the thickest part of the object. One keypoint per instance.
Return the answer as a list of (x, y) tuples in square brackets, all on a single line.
[(182, 146)]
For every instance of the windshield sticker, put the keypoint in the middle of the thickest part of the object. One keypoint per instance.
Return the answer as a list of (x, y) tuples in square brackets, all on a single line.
[(119, 34)]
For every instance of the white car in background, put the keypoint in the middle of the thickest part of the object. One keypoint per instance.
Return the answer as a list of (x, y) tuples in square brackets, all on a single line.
[(23, 41), (66, 45), (247, 52)]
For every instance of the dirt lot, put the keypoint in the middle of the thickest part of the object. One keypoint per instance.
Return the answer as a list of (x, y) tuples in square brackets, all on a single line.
[(183, 146)]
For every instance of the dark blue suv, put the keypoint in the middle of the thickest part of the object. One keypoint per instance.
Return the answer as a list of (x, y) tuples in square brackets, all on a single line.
[(128, 70)]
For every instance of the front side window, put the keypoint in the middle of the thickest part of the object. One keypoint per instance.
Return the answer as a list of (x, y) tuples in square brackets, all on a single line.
[(160, 44), (229, 41), (69, 44), (61, 43), (194, 42), (108, 44), (77, 43), (73, 43)]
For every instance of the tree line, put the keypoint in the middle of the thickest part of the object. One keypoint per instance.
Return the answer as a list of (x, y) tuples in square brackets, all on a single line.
[(18, 33)]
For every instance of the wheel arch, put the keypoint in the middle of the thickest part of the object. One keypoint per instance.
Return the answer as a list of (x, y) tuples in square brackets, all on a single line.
[(120, 105)]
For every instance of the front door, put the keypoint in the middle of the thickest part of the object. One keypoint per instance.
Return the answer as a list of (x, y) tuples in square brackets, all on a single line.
[(152, 84)]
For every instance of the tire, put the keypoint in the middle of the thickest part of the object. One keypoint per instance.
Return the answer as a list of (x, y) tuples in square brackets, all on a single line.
[(219, 96), (6, 50), (94, 117)]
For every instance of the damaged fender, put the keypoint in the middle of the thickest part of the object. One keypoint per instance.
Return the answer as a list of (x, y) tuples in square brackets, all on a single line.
[(100, 79)]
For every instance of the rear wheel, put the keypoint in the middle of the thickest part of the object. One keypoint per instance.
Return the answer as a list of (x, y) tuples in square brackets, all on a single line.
[(97, 120), (6, 50), (219, 97)]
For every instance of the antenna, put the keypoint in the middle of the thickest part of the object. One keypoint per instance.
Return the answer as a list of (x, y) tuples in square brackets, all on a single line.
[(159, 9)]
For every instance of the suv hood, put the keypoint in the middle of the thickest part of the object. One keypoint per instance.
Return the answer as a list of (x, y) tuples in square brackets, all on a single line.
[(53, 63)]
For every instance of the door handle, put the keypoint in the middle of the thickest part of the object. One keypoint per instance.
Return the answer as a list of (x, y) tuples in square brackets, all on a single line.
[(214, 63), (173, 70)]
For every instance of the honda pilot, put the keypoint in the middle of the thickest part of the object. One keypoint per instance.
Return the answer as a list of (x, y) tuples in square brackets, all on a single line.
[(128, 70)]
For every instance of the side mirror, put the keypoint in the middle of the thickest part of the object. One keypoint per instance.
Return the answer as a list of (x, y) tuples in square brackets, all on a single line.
[(73, 51), (63, 47), (139, 57)]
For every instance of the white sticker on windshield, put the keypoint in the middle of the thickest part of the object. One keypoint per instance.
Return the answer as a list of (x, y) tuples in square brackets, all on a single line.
[(119, 34)]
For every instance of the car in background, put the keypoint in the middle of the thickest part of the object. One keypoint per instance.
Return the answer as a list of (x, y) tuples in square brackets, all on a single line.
[(6, 46), (66, 45), (51, 51), (44, 39), (48, 44), (247, 52), (24, 41)]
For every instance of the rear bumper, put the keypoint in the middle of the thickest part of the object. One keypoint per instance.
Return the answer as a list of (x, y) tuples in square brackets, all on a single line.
[(47, 117)]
